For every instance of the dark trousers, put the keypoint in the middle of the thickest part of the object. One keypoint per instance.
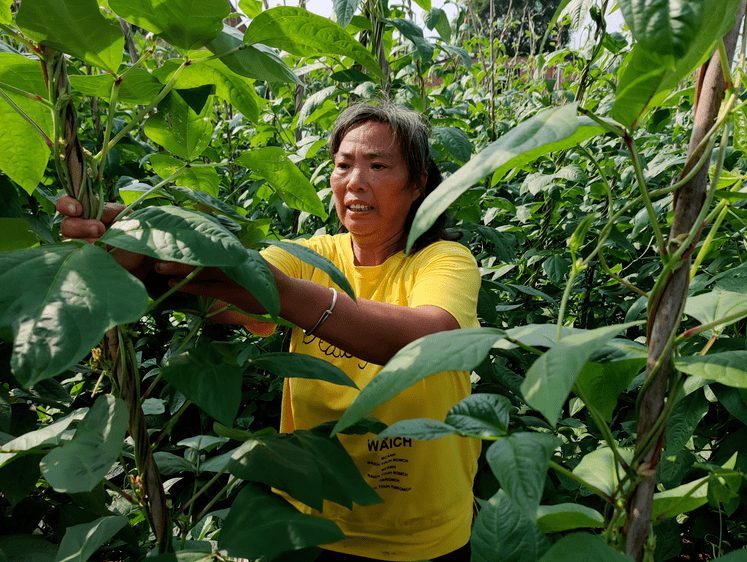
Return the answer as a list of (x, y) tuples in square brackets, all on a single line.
[(460, 555)]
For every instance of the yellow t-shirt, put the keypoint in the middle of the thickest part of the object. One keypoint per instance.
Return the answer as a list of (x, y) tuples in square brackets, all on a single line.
[(426, 485)]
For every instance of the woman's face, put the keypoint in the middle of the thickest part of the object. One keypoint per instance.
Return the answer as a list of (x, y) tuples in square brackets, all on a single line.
[(372, 187)]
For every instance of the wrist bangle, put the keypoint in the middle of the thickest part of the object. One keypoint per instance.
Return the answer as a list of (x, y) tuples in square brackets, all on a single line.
[(325, 314)]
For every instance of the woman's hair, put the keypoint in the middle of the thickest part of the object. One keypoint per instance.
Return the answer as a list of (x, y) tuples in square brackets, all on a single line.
[(411, 129)]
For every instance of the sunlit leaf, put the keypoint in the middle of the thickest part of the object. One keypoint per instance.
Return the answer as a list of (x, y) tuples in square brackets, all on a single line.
[(272, 163), (457, 350), (551, 377), (184, 133), (303, 34), (718, 304), (186, 24), (345, 10), (566, 517), (76, 27), (600, 469), (455, 140), (176, 234), (550, 130), (39, 440)]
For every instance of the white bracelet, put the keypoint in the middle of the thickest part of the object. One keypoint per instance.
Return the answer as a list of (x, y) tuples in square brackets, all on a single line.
[(325, 314)]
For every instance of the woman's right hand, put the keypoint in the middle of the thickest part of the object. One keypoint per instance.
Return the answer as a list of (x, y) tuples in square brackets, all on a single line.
[(90, 230)]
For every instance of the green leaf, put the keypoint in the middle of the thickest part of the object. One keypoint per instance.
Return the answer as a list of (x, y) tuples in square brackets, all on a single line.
[(39, 440), (556, 268), (298, 365), (280, 463), (410, 30), (261, 523), (206, 376), (456, 350), (648, 72), (256, 277), (548, 131), (169, 464), (504, 532), (251, 61), (567, 516), (680, 499), (82, 541), (735, 556), (186, 24), (672, 27), (75, 27), (58, 301), (537, 335), (685, 417), (83, 462), (205, 200), (718, 304), (577, 10), (602, 383), (17, 234), (5, 14), (302, 33), (25, 152), (309, 256), (201, 178), (577, 239), (272, 163), (138, 86), (345, 10), (536, 293), (520, 462), (550, 378), (455, 140), (185, 133), (251, 8), (583, 546), (420, 429), (600, 469), (176, 234), (733, 399), (232, 87)]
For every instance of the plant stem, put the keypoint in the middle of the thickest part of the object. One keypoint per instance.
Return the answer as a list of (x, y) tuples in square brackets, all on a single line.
[(638, 167), (175, 288)]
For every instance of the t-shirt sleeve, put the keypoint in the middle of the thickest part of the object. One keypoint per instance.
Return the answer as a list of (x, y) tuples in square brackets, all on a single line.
[(285, 262), (448, 277)]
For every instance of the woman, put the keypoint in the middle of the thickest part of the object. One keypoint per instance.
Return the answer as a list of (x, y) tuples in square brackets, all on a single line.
[(382, 171)]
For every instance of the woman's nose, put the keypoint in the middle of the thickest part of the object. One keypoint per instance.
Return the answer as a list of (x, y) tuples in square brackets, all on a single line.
[(357, 179)]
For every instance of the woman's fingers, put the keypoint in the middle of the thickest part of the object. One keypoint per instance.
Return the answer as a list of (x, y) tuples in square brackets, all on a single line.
[(82, 229)]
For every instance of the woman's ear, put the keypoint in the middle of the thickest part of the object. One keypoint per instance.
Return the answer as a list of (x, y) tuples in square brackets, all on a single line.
[(419, 190)]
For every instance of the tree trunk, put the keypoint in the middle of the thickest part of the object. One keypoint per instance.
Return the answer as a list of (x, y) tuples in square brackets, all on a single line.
[(665, 314)]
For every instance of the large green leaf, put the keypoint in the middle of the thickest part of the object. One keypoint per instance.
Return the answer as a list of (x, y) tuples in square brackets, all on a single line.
[(671, 27), (138, 86), (681, 499), (185, 133), (252, 61), (186, 24), (478, 415), (342, 481), (304, 366), (550, 378), (455, 140), (17, 234), (520, 462), (602, 383), (81, 541), (718, 304), (81, 463), (76, 27), (686, 40), (548, 131), (583, 546), (207, 377), (456, 350), (685, 417), (39, 440), (262, 524), (256, 277), (233, 87), (410, 30), (176, 234), (309, 256), (502, 531), (735, 556), (25, 153), (58, 301), (600, 469), (567, 516), (280, 463), (305, 34), (272, 163), (198, 178)]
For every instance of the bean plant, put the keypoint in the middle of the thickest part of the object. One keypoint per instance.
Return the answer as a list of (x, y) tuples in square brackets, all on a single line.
[(599, 189)]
